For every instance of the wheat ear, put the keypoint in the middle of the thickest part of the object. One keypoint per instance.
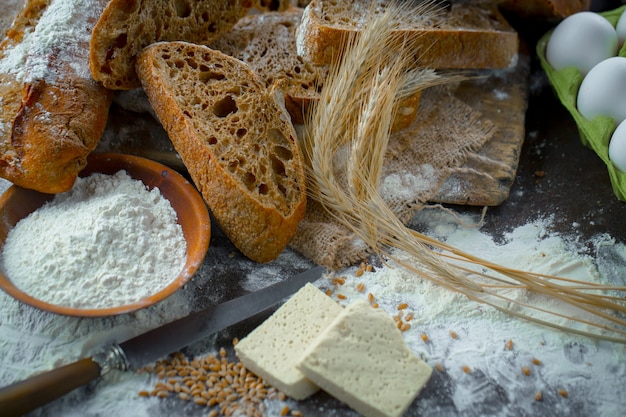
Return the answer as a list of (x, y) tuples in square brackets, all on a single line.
[(345, 139)]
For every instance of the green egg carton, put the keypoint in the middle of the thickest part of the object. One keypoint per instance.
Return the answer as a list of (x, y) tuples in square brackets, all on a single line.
[(595, 133)]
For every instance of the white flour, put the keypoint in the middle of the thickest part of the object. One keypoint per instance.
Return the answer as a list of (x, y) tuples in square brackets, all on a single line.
[(591, 372), (107, 242), (64, 30)]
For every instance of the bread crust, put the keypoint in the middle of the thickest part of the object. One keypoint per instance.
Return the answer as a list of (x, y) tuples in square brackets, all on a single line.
[(50, 121), (260, 223), (466, 37), (267, 43), (126, 27), (547, 9)]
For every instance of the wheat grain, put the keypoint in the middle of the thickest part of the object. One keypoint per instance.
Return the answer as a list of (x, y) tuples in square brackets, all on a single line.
[(345, 139)]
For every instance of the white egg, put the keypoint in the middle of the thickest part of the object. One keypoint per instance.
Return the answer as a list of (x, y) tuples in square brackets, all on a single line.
[(617, 147), (581, 40), (620, 28), (603, 91)]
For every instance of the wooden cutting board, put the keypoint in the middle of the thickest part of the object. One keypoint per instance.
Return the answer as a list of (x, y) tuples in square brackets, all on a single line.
[(486, 177)]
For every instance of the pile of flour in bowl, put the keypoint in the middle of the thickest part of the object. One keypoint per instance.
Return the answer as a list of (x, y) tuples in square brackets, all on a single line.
[(107, 242)]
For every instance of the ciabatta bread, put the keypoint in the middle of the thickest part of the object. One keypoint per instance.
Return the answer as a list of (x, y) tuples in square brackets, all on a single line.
[(545, 9), (466, 35), (52, 113), (236, 141), (267, 43), (126, 27)]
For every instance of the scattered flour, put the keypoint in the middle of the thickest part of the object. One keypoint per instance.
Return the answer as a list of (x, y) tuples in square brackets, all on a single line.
[(107, 242), (592, 372)]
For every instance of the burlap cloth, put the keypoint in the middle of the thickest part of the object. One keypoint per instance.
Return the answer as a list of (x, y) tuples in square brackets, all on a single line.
[(418, 160)]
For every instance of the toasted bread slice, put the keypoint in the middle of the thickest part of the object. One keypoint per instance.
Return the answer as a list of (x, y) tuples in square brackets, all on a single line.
[(236, 141), (126, 27), (464, 36), (267, 43), (52, 113)]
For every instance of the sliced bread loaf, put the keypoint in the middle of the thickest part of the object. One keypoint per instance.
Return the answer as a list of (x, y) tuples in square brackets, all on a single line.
[(267, 43), (126, 27), (466, 35), (235, 139)]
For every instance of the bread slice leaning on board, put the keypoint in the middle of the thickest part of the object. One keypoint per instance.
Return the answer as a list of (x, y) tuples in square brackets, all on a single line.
[(52, 112), (267, 43), (236, 140), (466, 35), (126, 27)]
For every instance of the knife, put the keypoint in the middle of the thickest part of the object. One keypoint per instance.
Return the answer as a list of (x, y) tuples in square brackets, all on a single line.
[(24, 396)]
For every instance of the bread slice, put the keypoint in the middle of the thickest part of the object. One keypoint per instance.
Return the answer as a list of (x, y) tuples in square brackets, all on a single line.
[(267, 43), (126, 27), (234, 137), (464, 36), (52, 113)]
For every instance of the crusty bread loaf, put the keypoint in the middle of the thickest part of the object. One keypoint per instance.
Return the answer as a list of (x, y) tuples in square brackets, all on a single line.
[(52, 113), (126, 27), (267, 43), (235, 139), (464, 36), (546, 9)]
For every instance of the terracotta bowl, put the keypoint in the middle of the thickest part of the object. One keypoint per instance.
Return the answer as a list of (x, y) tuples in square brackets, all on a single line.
[(17, 203)]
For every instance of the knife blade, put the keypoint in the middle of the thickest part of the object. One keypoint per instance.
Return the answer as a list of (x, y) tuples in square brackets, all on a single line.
[(24, 396)]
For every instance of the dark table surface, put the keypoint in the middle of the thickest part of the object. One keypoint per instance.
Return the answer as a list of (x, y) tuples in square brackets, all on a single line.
[(556, 175)]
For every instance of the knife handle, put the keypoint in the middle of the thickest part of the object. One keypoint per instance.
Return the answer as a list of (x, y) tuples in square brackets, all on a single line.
[(24, 396)]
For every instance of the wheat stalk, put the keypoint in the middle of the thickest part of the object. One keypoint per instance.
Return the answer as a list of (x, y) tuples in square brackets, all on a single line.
[(345, 140)]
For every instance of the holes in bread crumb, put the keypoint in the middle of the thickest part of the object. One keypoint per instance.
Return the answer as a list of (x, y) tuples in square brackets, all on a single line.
[(183, 9), (283, 153), (263, 189), (277, 166), (129, 7), (249, 179), (119, 43), (212, 140), (282, 189), (225, 106), (192, 63), (241, 132), (207, 75)]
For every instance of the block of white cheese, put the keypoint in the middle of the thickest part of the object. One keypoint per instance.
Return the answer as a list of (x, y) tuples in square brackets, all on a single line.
[(273, 349), (363, 360)]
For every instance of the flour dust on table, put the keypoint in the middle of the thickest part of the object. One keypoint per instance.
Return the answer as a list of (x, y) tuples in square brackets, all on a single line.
[(486, 363)]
